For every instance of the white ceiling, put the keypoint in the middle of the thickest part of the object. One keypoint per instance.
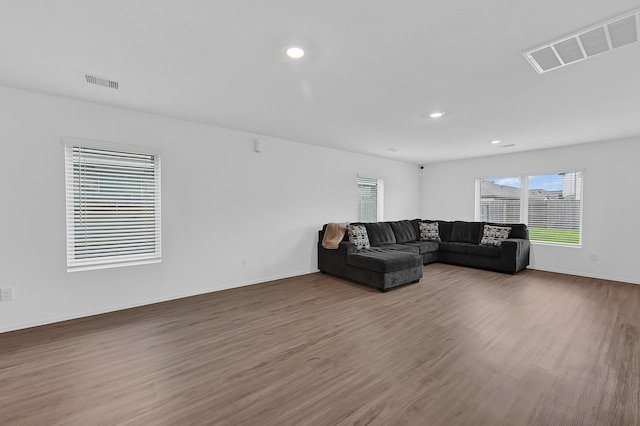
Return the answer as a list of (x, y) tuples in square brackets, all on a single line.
[(373, 69)]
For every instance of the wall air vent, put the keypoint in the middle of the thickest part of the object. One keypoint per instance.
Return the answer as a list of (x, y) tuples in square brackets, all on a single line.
[(101, 81), (609, 35)]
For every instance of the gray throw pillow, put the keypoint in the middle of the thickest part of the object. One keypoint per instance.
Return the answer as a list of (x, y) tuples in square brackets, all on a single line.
[(429, 231), (358, 236), (494, 235)]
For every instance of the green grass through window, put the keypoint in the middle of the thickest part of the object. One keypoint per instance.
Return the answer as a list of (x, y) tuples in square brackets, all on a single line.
[(551, 235)]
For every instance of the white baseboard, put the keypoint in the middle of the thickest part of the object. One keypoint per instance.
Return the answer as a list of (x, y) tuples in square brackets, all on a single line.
[(85, 314), (582, 274)]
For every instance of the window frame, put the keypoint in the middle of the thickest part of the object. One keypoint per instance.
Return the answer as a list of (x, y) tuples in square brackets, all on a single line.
[(149, 195), (524, 203)]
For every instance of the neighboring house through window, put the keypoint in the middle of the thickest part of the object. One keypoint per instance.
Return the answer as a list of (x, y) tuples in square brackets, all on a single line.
[(500, 200)]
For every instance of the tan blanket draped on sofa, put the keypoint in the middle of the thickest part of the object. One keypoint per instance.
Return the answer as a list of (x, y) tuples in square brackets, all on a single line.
[(333, 235)]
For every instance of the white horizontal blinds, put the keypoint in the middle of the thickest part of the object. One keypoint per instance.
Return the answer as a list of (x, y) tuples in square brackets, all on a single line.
[(113, 208), (500, 199), (555, 208), (367, 199)]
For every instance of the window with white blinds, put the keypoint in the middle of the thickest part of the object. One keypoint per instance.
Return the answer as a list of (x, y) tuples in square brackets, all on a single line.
[(555, 208), (370, 199), (551, 205), (113, 208)]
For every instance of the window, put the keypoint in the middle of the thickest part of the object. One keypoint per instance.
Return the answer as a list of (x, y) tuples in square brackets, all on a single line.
[(113, 208), (555, 208), (500, 200), (370, 199), (551, 205)]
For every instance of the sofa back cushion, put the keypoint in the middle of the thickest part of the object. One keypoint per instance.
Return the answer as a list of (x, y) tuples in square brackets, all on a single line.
[(445, 229), (380, 233), (416, 225), (518, 230), (403, 231), (467, 232)]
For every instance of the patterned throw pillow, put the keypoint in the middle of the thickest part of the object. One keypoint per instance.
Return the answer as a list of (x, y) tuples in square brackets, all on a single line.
[(429, 231), (358, 236), (494, 235)]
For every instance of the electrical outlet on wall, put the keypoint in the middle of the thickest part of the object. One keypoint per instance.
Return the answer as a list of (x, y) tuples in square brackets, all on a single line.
[(6, 294)]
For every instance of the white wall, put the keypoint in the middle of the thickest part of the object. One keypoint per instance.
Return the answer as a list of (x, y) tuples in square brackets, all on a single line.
[(221, 203), (610, 208)]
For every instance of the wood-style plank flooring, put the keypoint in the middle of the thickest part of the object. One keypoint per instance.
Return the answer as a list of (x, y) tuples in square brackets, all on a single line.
[(462, 347)]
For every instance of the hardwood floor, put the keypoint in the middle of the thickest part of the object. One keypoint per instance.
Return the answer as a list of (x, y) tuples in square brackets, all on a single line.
[(463, 347)]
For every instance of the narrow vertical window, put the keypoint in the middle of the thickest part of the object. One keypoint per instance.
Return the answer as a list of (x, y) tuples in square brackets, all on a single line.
[(113, 208), (370, 199)]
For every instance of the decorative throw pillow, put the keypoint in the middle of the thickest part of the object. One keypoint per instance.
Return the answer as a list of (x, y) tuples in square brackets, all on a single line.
[(358, 236), (494, 235), (429, 231)]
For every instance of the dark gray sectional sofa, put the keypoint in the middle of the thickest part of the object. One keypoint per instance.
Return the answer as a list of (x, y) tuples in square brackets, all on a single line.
[(397, 254)]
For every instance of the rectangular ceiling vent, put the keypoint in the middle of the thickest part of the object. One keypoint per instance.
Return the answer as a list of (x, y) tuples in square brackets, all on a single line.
[(100, 81), (609, 35)]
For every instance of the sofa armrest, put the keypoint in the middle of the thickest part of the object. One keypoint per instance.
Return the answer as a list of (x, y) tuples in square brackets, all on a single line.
[(335, 261), (345, 247), (515, 253)]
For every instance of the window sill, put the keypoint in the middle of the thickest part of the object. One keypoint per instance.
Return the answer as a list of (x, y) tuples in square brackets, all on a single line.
[(547, 243)]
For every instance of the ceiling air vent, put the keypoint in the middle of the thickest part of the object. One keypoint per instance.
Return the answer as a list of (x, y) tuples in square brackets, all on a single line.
[(586, 43), (100, 81)]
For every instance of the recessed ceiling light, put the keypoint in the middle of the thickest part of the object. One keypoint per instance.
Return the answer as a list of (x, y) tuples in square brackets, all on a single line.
[(294, 52), (436, 114), (496, 141)]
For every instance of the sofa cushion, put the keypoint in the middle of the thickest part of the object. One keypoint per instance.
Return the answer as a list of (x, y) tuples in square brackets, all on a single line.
[(494, 235), (416, 226), (403, 231), (429, 231), (380, 233), (358, 236), (487, 251), (452, 247), (424, 246), (406, 247), (518, 230), (445, 230), (382, 260), (466, 232)]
